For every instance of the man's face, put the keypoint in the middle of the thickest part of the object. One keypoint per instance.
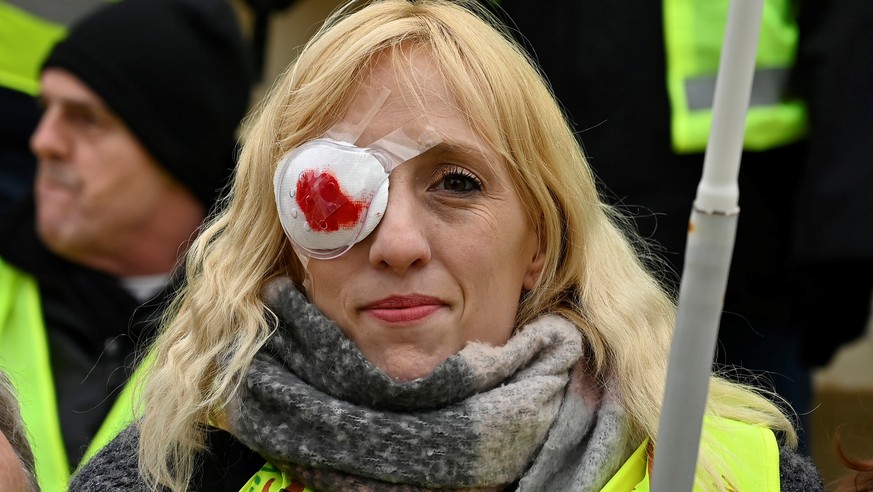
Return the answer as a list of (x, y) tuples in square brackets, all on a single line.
[(96, 185), (13, 478)]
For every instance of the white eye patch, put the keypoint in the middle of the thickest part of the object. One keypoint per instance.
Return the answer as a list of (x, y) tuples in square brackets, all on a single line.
[(331, 195)]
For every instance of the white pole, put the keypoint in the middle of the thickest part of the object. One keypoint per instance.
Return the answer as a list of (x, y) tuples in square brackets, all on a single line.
[(711, 232)]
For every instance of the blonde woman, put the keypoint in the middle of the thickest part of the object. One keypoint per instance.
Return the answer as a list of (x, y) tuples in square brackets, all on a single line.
[(414, 285)]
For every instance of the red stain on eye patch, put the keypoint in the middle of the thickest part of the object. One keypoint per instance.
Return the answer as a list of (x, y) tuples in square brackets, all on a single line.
[(324, 204)]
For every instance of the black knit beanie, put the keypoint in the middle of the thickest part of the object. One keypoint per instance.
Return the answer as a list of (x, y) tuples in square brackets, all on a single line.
[(177, 72)]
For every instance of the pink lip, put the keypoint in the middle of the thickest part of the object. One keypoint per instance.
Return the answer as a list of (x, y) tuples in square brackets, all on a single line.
[(404, 309)]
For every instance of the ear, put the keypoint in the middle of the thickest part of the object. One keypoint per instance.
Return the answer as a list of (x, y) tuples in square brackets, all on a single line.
[(535, 268)]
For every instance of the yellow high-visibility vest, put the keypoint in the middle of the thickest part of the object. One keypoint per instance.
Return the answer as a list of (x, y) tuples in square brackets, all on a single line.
[(693, 35), (751, 457), (28, 31), (751, 454), (25, 41), (271, 479), (24, 355)]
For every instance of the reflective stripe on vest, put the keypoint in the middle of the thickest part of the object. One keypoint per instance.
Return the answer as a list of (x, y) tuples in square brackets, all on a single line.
[(750, 454), (750, 460), (693, 33), (24, 355)]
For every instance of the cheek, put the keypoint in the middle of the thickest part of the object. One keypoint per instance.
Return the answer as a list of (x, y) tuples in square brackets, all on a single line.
[(12, 474), (129, 193), (487, 245), (103, 205), (327, 283), (491, 262), (492, 320), (488, 270), (118, 168)]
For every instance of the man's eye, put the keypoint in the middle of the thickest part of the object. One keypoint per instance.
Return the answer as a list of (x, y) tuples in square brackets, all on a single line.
[(84, 117), (458, 181)]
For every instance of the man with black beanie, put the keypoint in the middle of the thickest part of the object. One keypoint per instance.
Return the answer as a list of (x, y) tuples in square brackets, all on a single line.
[(141, 104)]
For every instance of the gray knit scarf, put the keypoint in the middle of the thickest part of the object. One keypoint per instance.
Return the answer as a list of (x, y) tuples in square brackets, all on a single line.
[(524, 415)]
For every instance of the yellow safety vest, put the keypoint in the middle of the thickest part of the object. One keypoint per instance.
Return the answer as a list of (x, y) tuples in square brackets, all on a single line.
[(271, 479), (28, 31), (24, 355), (25, 41), (751, 455), (693, 35)]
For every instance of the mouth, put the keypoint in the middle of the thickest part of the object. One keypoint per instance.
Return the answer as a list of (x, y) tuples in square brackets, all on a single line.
[(58, 177), (405, 309)]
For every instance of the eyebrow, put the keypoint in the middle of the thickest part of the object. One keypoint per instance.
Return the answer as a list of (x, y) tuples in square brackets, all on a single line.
[(488, 159), (456, 147), (73, 103)]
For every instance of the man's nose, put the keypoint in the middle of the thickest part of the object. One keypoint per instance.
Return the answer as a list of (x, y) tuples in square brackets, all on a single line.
[(49, 141)]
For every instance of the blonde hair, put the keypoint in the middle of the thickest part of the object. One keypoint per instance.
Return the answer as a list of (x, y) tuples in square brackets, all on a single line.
[(593, 275)]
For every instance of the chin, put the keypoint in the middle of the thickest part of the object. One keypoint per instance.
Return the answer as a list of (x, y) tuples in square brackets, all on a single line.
[(52, 218), (408, 375), (60, 240), (49, 234), (409, 367)]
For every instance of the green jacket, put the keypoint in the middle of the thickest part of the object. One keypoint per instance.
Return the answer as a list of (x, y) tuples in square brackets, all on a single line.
[(24, 355)]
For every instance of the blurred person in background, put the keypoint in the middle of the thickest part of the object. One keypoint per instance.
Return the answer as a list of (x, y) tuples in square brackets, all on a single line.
[(29, 31), (638, 82), (833, 237), (137, 138)]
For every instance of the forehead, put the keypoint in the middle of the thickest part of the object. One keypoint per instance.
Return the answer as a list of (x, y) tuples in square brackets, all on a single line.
[(61, 86), (418, 97)]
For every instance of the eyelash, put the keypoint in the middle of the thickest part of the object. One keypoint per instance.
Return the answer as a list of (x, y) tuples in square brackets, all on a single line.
[(458, 173)]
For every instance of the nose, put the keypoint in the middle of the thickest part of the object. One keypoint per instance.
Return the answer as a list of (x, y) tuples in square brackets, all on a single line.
[(48, 141), (400, 242)]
